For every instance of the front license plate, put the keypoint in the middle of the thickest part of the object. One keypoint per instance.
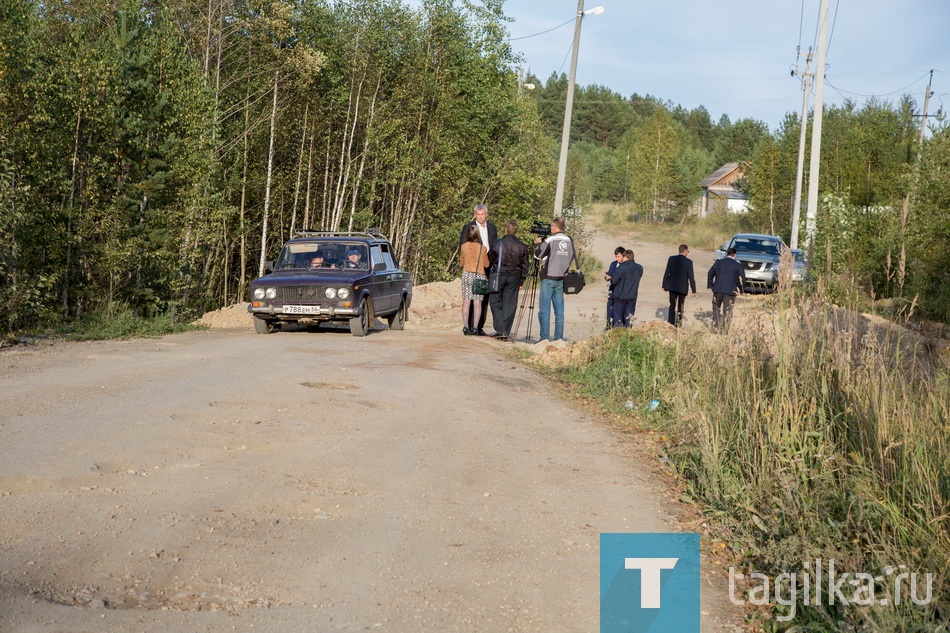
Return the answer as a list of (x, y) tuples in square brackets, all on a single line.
[(301, 309)]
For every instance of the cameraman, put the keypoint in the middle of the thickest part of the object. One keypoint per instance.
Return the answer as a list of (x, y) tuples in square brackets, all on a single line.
[(556, 253)]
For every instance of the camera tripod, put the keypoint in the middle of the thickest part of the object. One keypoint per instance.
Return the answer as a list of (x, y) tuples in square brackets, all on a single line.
[(528, 296)]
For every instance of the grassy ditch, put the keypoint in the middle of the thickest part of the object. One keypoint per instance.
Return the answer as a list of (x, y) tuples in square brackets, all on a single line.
[(118, 321), (811, 433)]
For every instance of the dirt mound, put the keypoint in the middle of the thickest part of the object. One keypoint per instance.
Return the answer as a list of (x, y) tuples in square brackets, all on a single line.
[(556, 355), (233, 316)]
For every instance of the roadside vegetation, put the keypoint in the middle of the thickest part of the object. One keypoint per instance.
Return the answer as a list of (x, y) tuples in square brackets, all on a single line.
[(117, 321), (155, 154), (808, 433)]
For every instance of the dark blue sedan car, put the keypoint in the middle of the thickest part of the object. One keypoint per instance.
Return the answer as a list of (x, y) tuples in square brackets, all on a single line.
[(332, 277)]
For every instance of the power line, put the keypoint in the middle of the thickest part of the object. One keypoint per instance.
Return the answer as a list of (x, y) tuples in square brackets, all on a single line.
[(801, 26), (886, 94), (834, 21), (525, 37), (566, 55)]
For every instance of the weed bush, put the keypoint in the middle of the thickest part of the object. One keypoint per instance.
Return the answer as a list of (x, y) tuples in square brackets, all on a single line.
[(813, 434), (119, 321)]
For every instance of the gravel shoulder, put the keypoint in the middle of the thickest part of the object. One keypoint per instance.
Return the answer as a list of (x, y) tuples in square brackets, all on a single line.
[(314, 481)]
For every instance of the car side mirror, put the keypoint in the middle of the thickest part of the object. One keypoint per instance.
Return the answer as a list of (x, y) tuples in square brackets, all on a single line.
[(379, 266), (268, 266)]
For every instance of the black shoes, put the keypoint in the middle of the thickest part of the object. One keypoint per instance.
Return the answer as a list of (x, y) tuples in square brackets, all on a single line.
[(474, 332)]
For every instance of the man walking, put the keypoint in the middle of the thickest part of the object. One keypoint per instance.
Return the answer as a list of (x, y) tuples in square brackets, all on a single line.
[(626, 287), (488, 234), (556, 253), (725, 279), (678, 280)]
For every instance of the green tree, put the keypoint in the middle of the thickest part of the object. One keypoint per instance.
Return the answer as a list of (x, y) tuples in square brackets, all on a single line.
[(737, 142), (768, 188), (652, 176), (928, 227)]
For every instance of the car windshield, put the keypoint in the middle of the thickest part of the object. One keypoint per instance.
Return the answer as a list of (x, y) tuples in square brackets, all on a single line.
[(756, 245), (322, 255)]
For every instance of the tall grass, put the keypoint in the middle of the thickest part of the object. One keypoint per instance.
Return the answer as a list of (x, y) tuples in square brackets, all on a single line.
[(813, 433)]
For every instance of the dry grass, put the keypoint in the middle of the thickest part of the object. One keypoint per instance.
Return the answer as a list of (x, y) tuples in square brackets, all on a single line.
[(812, 432)]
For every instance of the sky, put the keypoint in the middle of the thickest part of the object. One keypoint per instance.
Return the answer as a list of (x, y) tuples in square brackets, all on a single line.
[(735, 57)]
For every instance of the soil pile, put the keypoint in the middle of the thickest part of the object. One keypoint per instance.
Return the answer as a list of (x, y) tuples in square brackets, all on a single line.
[(232, 316)]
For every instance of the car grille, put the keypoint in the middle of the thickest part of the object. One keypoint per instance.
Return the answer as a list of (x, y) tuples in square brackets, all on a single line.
[(753, 265), (294, 294)]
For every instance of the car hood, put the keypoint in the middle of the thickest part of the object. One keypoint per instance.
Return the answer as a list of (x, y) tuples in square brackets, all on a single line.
[(323, 276)]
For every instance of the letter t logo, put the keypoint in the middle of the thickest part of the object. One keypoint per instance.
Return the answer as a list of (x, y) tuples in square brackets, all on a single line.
[(649, 578)]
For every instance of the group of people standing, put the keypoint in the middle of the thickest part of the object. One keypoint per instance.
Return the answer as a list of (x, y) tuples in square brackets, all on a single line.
[(726, 278), (480, 250), (624, 276)]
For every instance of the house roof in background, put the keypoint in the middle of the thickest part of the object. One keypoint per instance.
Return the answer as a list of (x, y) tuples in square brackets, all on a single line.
[(719, 174)]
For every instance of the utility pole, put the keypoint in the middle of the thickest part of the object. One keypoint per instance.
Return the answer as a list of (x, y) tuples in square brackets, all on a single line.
[(923, 118), (814, 165), (568, 110), (799, 173), (905, 211)]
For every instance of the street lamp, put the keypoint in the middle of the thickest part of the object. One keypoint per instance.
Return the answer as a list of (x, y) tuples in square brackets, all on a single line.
[(566, 133)]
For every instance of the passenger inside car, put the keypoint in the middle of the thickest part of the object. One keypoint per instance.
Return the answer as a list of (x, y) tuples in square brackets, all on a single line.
[(354, 259)]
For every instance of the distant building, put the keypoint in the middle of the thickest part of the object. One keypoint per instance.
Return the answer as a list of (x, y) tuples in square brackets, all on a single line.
[(720, 193)]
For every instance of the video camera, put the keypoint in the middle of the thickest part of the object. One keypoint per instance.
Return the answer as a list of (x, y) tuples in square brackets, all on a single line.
[(541, 229)]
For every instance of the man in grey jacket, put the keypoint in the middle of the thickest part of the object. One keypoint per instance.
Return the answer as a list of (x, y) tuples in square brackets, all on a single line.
[(556, 253)]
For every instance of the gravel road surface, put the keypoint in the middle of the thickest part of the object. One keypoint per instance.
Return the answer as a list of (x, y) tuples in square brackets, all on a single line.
[(312, 481)]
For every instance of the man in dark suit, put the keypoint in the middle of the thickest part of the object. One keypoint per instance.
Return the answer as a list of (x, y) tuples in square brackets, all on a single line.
[(725, 279), (509, 257), (626, 287), (678, 280), (489, 234)]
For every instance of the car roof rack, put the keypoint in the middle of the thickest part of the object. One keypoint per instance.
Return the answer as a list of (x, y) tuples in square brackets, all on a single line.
[(373, 232)]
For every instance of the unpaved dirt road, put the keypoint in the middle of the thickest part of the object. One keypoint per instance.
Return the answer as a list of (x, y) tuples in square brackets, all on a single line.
[(311, 481)]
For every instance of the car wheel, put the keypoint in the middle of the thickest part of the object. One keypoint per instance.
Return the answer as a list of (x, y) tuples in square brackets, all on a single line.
[(359, 325), (264, 326), (397, 320)]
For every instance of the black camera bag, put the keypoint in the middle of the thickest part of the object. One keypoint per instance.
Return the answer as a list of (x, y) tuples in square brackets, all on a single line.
[(574, 282)]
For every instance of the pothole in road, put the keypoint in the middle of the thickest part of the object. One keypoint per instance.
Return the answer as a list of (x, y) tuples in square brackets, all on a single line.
[(190, 598), (339, 386)]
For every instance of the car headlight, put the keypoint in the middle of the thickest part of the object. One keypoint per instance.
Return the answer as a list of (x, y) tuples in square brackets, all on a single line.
[(343, 293), (270, 293), (330, 293), (258, 293)]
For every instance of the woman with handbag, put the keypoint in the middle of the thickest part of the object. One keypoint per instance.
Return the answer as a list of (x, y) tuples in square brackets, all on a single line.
[(474, 259)]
